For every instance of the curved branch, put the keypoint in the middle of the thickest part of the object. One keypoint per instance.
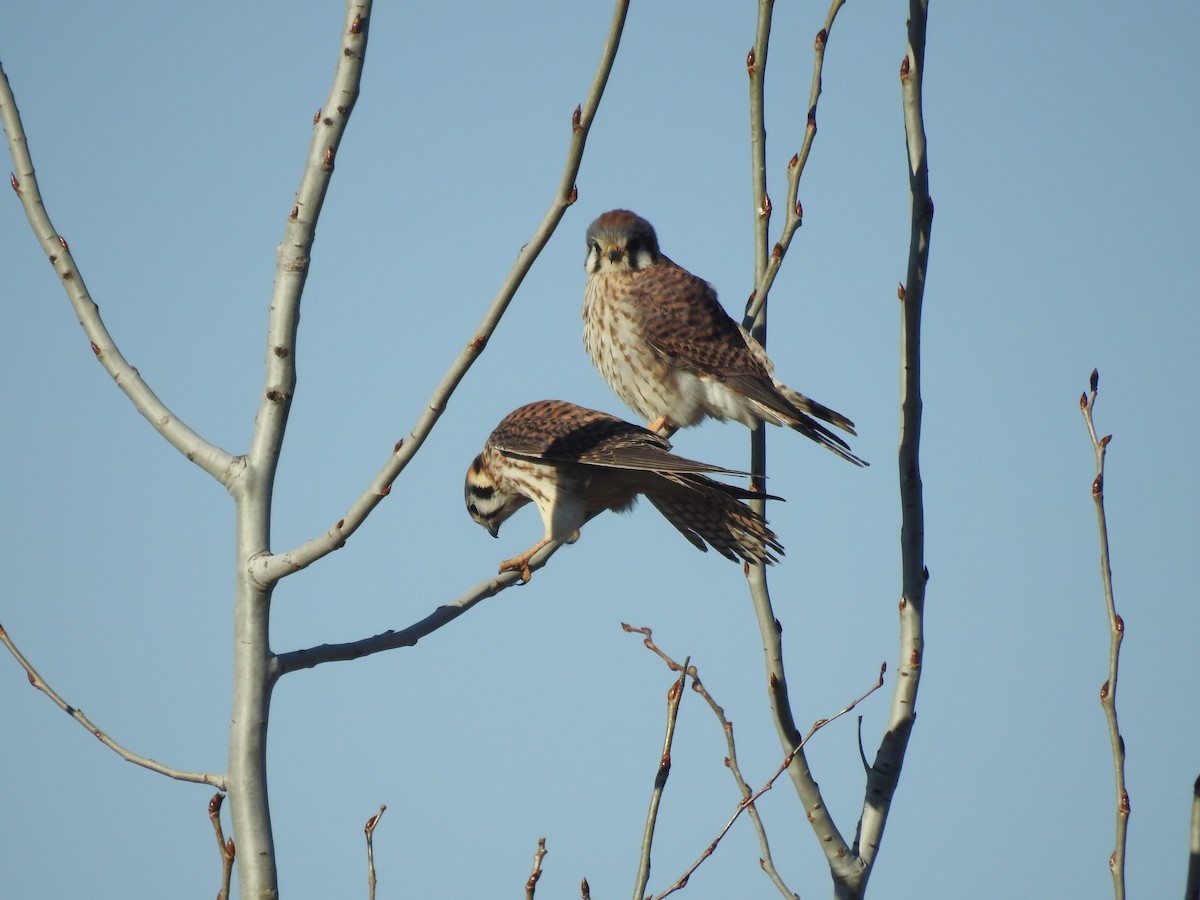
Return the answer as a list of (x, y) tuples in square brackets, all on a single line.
[(295, 660), (218, 463), (270, 568), (217, 781)]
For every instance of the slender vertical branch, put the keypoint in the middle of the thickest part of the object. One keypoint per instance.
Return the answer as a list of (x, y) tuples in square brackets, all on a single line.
[(884, 773), (536, 874), (674, 695), (793, 211), (369, 831), (1108, 691), (841, 861), (225, 848)]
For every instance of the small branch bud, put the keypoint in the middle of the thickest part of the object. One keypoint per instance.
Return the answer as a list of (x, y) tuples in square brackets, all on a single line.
[(316, 117), (1120, 623), (399, 444), (1095, 380), (1104, 440), (794, 161), (356, 25), (1104, 692), (577, 119), (750, 67), (294, 214), (328, 162), (822, 37), (95, 348), (765, 209), (387, 490), (1083, 401), (16, 185), (777, 252), (574, 195), (800, 211), (904, 68), (62, 242), (900, 291)]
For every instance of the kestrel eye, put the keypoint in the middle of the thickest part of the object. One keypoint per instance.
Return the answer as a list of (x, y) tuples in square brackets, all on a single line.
[(473, 510)]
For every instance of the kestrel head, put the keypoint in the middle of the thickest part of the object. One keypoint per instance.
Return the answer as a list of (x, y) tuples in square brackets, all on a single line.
[(620, 241), (488, 502)]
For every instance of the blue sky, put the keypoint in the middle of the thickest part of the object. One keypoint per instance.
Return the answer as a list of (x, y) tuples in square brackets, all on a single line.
[(169, 142)]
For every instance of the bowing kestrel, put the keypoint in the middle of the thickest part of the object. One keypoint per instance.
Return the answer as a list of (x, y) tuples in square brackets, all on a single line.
[(574, 463)]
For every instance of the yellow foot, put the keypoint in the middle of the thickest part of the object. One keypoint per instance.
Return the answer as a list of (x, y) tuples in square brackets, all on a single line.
[(521, 563), (661, 424)]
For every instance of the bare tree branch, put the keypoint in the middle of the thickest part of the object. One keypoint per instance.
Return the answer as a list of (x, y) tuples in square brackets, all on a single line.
[(369, 831), (767, 863), (225, 849), (884, 773), (674, 695), (1108, 691), (217, 781), (222, 466), (407, 637), (253, 493), (793, 212), (536, 874), (270, 568), (748, 802), (837, 851)]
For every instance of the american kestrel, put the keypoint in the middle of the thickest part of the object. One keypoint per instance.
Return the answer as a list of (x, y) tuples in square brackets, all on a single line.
[(670, 351), (574, 463)]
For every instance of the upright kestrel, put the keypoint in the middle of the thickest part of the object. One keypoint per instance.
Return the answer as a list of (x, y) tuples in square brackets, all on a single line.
[(666, 346), (574, 463)]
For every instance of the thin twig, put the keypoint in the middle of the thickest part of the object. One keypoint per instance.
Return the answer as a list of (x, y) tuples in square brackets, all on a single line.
[(748, 802), (406, 637), (884, 773), (536, 874), (674, 695), (225, 850), (1108, 691), (793, 211), (369, 831), (767, 862), (212, 459), (217, 781), (270, 568)]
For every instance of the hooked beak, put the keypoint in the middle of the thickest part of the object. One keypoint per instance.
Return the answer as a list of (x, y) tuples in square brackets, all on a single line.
[(493, 530), (614, 253)]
